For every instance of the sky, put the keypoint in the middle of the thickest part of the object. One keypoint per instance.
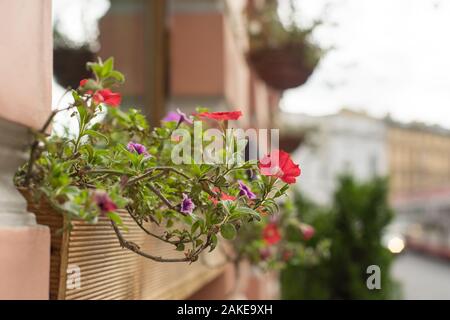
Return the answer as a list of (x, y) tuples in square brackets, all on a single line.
[(388, 57)]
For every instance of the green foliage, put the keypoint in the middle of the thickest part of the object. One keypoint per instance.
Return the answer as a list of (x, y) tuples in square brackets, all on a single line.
[(355, 225), (292, 248)]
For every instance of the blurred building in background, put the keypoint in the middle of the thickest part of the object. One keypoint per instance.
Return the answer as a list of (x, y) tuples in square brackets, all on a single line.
[(419, 157), (419, 170), (414, 156), (346, 142)]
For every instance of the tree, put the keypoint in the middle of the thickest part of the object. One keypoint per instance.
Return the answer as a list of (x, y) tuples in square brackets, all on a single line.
[(355, 226)]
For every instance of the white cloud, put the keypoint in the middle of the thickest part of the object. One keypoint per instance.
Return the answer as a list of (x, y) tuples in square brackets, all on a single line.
[(390, 56)]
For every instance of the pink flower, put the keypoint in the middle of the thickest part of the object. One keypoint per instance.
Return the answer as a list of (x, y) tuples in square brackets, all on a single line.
[(221, 195), (245, 191), (230, 115), (265, 253), (138, 148), (104, 202), (177, 116), (271, 235), (279, 164), (83, 82), (307, 231), (107, 97), (187, 205)]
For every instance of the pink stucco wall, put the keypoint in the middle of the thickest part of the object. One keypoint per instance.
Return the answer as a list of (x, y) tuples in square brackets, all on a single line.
[(25, 61), (237, 73), (196, 54), (208, 59), (25, 100), (24, 263)]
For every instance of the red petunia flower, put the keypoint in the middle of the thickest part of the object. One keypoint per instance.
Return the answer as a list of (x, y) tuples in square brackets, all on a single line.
[(83, 82), (230, 115), (223, 196), (271, 235), (279, 164), (107, 97)]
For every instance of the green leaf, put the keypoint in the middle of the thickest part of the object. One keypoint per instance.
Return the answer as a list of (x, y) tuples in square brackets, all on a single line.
[(82, 112), (108, 66), (90, 151), (96, 134), (115, 218), (117, 76), (195, 226), (228, 231), (282, 191), (180, 247), (245, 211), (96, 68), (213, 243)]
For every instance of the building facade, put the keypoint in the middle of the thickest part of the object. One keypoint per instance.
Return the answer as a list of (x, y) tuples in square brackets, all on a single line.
[(419, 166), (184, 54), (346, 142), (415, 158), (419, 158)]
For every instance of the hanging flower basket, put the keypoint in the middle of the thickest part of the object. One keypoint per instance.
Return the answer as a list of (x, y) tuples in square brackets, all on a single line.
[(69, 65), (282, 67), (283, 56), (291, 141)]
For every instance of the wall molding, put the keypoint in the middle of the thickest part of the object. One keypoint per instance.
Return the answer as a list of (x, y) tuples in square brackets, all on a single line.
[(13, 141)]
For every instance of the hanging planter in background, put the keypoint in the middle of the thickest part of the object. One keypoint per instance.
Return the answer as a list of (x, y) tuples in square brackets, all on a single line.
[(282, 67), (69, 65), (283, 56)]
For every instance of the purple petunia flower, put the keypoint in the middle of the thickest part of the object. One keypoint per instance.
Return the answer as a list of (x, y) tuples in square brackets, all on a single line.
[(104, 202), (177, 116), (187, 205), (138, 148), (171, 116), (245, 191)]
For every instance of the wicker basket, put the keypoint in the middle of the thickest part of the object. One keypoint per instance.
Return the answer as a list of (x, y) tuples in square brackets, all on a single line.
[(106, 270), (281, 68)]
